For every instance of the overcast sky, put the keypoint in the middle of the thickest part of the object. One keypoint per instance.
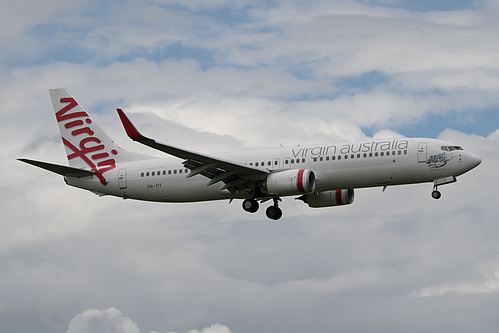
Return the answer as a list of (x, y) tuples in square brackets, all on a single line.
[(224, 75)]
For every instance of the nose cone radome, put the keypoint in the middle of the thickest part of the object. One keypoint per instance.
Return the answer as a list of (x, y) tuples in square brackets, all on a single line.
[(472, 160)]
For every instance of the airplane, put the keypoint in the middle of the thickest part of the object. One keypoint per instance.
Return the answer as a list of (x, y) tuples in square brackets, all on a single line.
[(320, 175)]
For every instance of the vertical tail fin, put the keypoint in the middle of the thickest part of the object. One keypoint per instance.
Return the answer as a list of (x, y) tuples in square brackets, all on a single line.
[(86, 144)]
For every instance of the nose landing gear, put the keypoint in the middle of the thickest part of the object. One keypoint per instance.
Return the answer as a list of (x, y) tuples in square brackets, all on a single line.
[(442, 181)]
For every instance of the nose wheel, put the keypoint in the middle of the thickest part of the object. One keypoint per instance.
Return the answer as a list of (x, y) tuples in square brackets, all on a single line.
[(436, 194)]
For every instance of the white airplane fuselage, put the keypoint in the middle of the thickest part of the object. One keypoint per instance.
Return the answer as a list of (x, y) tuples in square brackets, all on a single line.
[(348, 165)]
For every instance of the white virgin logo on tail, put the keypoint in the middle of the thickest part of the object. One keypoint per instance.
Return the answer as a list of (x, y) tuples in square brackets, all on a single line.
[(90, 148)]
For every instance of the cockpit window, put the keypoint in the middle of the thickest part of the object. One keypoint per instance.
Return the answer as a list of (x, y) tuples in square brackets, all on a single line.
[(451, 148)]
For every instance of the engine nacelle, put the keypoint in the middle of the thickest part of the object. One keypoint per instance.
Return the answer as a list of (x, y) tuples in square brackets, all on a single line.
[(290, 182), (328, 198)]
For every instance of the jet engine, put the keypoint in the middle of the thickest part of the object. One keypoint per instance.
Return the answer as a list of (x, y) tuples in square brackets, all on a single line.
[(290, 182), (328, 198)]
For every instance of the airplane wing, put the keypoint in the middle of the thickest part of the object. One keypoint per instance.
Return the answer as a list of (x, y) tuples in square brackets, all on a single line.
[(59, 169), (235, 175)]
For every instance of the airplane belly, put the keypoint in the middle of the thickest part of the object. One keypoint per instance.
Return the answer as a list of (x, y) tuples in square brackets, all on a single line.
[(360, 177)]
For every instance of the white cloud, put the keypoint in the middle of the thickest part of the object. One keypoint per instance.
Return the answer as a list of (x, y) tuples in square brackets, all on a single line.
[(490, 285), (111, 320), (215, 328), (293, 73), (106, 321)]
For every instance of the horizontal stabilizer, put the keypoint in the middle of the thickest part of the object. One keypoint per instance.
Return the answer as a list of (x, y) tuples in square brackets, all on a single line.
[(59, 169)]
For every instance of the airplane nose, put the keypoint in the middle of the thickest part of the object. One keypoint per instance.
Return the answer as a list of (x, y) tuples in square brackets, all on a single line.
[(472, 160)]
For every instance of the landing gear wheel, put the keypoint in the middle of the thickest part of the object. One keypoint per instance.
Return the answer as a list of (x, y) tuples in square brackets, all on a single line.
[(274, 212), (251, 205), (436, 194)]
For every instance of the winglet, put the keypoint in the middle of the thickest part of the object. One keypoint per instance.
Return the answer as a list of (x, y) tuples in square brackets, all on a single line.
[(130, 129)]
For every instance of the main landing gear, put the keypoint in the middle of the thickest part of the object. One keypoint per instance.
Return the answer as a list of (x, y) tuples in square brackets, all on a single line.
[(273, 212), (250, 205)]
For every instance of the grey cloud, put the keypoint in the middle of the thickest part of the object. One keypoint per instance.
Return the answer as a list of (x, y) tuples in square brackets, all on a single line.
[(169, 267)]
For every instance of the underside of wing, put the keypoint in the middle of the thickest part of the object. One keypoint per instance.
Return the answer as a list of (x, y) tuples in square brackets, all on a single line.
[(235, 176)]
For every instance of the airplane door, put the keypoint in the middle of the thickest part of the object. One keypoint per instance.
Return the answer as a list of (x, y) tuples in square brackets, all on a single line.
[(122, 178), (422, 152)]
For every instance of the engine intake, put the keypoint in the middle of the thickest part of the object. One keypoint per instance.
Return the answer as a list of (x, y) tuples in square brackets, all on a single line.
[(328, 198), (290, 182)]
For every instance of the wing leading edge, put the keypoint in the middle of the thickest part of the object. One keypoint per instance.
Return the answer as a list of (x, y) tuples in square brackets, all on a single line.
[(235, 176)]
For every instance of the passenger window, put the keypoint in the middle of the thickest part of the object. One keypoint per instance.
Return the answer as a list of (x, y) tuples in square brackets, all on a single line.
[(303, 160), (352, 156), (370, 154), (339, 157), (365, 155), (180, 171), (147, 174), (169, 172), (286, 161), (405, 152), (292, 161), (327, 158), (346, 157), (269, 163), (321, 158), (376, 154), (175, 171), (358, 155), (141, 174), (400, 152), (382, 153), (275, 162)]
